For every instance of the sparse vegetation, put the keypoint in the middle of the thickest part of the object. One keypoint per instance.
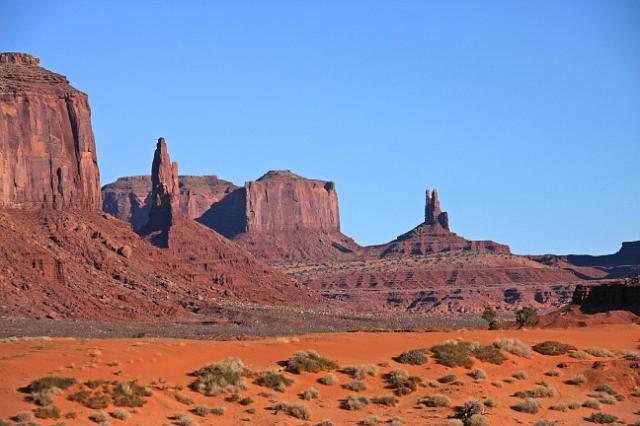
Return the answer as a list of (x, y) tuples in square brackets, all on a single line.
[(355, 385), (478, 374), (183, 398), (578, 379), (299, 411), (454, 353), (436, 400), (311, 393), (401, 383), (602, 418), (361, 371), (591, 403), (552, 373), (221, 377), (353, 402), (47, 383), (387, 401), (47, 412), (527, 317), (449, 378), (553, 348), (599, 352), (120, 414), (489, 354), (579, 355), (99, 417), (412, 357), (477, 420), (273, 380), (514, 346), (309, 361), (328, 380), (470, 408), (529, 405), (537, 392), (519, 375)]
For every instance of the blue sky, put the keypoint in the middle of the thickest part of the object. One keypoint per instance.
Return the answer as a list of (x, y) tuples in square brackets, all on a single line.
[(524, 115)]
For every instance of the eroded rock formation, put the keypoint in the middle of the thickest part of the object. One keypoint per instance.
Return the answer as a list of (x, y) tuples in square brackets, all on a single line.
[(283, 217), (47, 148), (616, 296)]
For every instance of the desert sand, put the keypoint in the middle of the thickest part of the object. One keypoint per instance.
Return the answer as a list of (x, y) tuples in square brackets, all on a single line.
[(169, 361)]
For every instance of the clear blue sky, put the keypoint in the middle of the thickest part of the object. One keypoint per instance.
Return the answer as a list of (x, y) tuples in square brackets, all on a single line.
[(524, 114)]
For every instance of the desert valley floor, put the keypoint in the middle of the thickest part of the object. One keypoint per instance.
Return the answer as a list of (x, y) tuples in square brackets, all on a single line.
[(601, 376)]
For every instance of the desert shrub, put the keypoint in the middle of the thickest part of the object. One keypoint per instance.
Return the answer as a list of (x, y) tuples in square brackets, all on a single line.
[(607, 399), (328, 380), (497, 383), (4, 422), (47, 412), (401, 383), (537, 392), (99, 417), (478, 374), (579, 355), (599, 352), (217, 411), (636, 392), (221, 377), (94, 400), (454, 353), (247, 400), (574, 405), (311, 393), (273, 380), (412, 357), (606, 389), (355, 385), (129, 394), (529, 405), (395, 421), (353, 402), (509, 380), (200, 410), (545, 423), (449, 378), (553, 348), (436, 400), (490, 403), (559, 407), (601, 418), (23, 417), (514, 346), (182, 419), (387, 401), (633, 356), (552, 373), (527, 317), (477, 420), (519, 375), (470, 408), (360, 371), (371, 421), (591, 403), (491, 317), (454, 422), (309, 361), (578, 379), (183, 399), (298, 411), (44, 397), (489, 354), (120, 414), (234, 397), (325, 423), (47, 383)]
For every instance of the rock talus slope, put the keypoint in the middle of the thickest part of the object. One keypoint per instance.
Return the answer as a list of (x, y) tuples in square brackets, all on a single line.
[(47, 148)]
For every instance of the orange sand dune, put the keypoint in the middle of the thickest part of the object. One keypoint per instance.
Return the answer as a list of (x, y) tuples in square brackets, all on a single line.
[(146, 360)]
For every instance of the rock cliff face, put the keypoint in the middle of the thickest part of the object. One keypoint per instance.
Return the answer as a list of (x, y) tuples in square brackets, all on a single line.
[(433, 236), (129, 198), (283, 217), (617, 296), (47, 148)]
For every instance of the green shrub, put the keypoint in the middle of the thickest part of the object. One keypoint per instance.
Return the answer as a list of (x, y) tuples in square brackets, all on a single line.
[(94, 400), (309, 361), (273, 380), (129, 394), (436, 400), (401, 383), (489, 354), (454, 353), (221, 377), (527, 317), (371, 421), (529, 405), (491, 317), (412, 357), (553, 348)]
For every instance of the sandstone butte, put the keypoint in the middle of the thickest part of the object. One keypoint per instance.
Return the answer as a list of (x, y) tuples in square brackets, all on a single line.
[(65, 258)]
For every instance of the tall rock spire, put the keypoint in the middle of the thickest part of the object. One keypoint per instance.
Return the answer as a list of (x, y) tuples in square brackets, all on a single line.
[(165, 190), (433, 215)]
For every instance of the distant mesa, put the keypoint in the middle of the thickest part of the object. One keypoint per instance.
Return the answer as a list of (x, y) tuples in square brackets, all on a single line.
[(47, 148)]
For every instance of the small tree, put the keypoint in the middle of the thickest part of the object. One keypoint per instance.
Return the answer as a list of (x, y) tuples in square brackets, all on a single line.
[(491, 317), (527, 317)]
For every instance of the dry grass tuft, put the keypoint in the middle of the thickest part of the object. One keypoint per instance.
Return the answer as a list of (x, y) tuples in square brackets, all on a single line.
[(514, 346), (221, 377), (309, 361)]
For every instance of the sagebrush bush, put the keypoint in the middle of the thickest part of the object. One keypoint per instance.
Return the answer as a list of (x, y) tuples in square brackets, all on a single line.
[(606, 389), (183, 398), (120, 414), (537, 392), (355, 386), (477, 420), (309, 361), (47, 412), (599, 352), (591, 403), (273, 380), (552, 373), (99, 417), (311, 393), (489, 354), (578, 379), (529, 405), (200, 410), (520, 375), (387, 401), (371, 421), (454, 353), (545, 423), (490, 403), (412, 357), (449, 378), (579, 355), (470, 408), (221, 377), (436, 400), (48, 382), (514, 346), (298, 411), (478, 374), (360, 371), (553, 348), (353, 402), (328, 380), (401, 383), (602, 418)]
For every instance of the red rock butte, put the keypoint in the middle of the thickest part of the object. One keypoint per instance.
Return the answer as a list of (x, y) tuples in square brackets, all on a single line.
[(47, 148)]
